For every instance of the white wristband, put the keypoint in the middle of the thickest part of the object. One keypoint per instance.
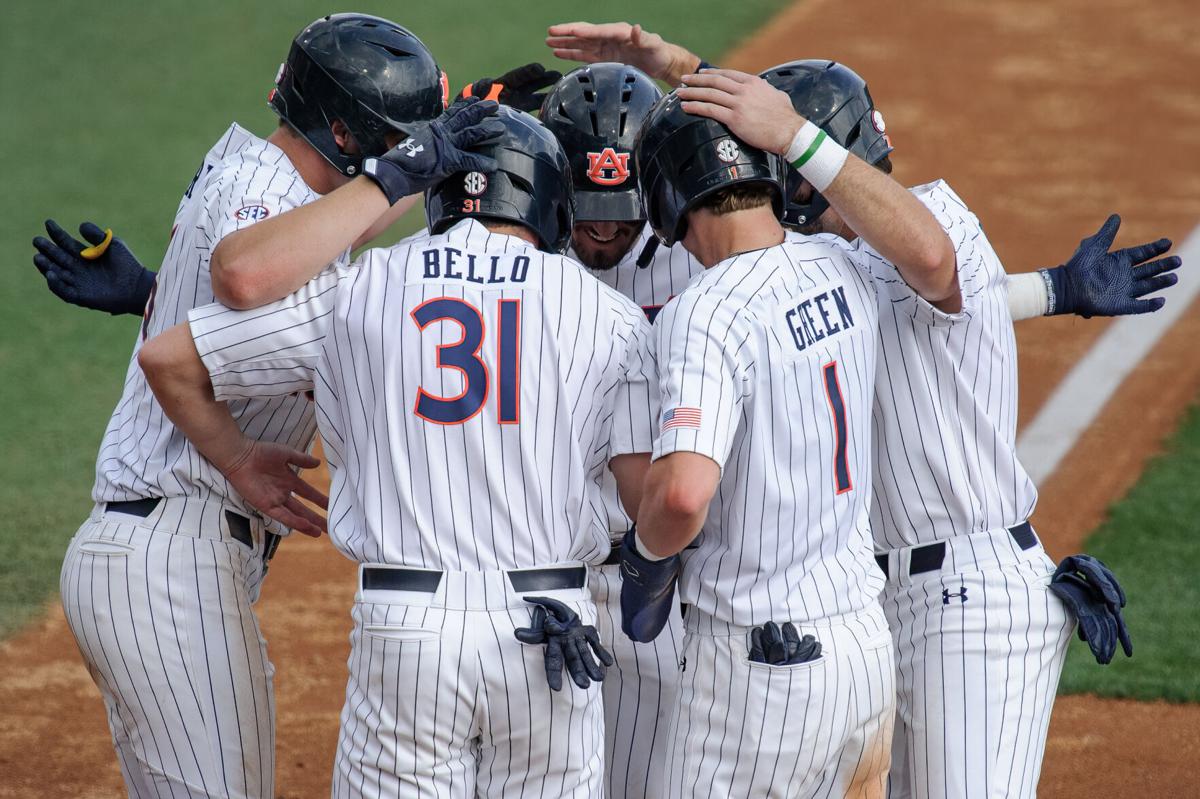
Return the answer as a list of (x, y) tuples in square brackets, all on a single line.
[(815, 156), (1027, 296)]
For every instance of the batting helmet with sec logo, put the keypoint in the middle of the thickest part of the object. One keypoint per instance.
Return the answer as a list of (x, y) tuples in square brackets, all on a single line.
[(682, 158), (531, 185), (834, 98)]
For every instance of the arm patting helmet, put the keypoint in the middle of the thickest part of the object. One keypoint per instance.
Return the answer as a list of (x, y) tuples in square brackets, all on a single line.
[(531, 185), (834, 98), (682, 158), (595, 112), (373, 75)]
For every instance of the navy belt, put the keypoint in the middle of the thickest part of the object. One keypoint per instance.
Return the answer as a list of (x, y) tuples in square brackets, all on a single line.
[(239, 525), (426, 581), (614, 555), (929, 558)]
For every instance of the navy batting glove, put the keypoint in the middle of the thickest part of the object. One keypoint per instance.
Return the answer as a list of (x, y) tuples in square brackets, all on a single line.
[(113, 281), (440, 149), (782, 647), (517, 88), (1093, 595), (569, 643), (1096, 282), (647, 591)]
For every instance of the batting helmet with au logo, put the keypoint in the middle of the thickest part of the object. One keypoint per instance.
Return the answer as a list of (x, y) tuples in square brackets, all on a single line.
[(595, 112)]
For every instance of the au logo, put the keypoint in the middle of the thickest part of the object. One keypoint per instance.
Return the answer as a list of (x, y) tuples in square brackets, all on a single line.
[(608, 167), (475, 183)]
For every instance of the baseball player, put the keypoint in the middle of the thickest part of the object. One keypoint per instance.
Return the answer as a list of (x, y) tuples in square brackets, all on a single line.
[(980, 639), (595, 112), (469, 384), (766, 373), (158, 584)]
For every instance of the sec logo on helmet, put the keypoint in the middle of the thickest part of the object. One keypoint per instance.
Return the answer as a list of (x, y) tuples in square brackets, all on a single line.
[(608, 167)]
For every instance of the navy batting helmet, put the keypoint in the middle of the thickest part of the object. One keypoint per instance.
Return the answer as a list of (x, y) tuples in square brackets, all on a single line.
[(682, 158), (834, 98), (595, 112), (373, 75), (531, 185)]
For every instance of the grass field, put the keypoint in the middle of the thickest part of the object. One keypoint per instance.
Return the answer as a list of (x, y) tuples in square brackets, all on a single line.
[(1151, 540), (108, 109)]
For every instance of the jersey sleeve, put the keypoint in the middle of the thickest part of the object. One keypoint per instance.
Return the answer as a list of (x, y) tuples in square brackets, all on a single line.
[(702, 346), (249, 193), (269, 351), (970, 251), (636, 407)]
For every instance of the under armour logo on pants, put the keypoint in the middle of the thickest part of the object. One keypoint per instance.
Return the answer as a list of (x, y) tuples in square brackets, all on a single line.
[(946, 595)]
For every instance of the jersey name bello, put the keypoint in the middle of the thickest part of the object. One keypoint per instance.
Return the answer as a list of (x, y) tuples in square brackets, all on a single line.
[(448, 263), (818, 316)]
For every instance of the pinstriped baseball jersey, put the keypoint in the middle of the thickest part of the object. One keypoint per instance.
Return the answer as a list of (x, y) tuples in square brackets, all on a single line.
[(946, 397), (469, 388), (651, 286), (767, 366), (668, 272), (242, 180)]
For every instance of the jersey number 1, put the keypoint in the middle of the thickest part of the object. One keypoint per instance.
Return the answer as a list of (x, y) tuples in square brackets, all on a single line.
[(837, 406), (463, 355)]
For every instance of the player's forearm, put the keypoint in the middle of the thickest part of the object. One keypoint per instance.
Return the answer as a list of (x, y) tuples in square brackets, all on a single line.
[(182, 386), (389, 218), (273, 258), (679, 488), (900, 228), (630, 473)]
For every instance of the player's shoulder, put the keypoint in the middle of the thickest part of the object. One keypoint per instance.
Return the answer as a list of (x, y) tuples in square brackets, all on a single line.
[(944, 202)]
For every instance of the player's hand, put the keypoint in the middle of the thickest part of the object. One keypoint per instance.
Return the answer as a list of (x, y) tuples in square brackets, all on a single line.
[(621, 42), (569, 643), (518, 88), (440, 149), (264, 473), (1096, 282), (647, 591), (756, 112), (1095, 598), (782, 647), (112, 279)]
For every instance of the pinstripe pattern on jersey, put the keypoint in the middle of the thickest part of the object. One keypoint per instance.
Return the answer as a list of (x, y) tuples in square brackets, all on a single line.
[(779, 542), (142, 453), (471, 496), (945, 415), (669, 271), (816, 729), (163, 619)]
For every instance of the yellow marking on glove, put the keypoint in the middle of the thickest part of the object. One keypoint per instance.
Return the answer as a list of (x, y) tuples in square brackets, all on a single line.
[(96, 250)]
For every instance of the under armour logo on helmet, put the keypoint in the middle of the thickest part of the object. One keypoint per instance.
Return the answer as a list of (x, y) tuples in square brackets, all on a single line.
[(475, 183), (727, 150), (961, 595), (411, 149)]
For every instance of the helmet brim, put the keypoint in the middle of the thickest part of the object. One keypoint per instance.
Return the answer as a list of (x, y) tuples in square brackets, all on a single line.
[(608, 206)]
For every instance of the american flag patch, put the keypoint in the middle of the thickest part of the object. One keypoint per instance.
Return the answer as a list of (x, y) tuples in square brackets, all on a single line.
[(681, 417)]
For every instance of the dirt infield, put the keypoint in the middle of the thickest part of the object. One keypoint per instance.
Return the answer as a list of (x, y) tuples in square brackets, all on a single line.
[(1044, 116)]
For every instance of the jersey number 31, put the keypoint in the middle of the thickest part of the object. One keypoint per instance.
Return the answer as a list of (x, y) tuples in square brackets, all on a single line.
[(463, 355)]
